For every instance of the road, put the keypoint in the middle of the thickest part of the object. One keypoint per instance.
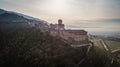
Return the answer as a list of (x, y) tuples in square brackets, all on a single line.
[(109, 50), (115, 50), (104, 44), (81, 45)]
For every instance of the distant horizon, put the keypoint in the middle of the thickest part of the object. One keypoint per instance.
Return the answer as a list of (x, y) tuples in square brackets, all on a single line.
[(96, 29), (77, 14), (70, 10)]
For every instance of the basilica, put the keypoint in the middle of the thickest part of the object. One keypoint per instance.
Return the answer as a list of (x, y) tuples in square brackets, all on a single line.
[(72, 36)]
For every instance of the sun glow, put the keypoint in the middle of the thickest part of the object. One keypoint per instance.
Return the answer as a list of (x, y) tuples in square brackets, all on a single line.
[(55, 5)]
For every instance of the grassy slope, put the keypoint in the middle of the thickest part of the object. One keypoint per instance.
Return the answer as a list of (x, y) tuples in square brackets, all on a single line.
[(97, 43), (113, 44), (101, 52)]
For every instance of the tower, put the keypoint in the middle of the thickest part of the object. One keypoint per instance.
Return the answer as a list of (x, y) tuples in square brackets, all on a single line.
[(60, 21), (60, 26)]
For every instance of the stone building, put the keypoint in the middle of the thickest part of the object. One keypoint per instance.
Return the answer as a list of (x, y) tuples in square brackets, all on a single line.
[(72, 36), (58, 26)]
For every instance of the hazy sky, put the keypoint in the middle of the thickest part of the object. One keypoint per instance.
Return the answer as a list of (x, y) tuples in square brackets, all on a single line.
[(75, 13)]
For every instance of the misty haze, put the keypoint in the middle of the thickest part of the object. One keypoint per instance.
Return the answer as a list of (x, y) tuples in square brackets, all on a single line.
[(59, 33)]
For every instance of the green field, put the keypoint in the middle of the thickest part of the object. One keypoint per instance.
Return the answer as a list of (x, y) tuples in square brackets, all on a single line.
[(101, 52), (113, 45)]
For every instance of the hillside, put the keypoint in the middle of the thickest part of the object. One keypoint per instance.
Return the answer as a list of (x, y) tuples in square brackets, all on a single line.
[(24, 44), (29, 47), (10, 17)]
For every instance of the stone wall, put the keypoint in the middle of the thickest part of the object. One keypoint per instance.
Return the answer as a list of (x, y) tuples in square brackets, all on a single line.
[(79, 36)]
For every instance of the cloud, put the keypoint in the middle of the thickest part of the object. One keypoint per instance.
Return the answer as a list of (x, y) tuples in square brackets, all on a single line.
[(96, 23), (78, 13)]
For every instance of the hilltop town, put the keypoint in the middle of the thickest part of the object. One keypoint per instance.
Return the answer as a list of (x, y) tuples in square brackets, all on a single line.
[(72, 36)]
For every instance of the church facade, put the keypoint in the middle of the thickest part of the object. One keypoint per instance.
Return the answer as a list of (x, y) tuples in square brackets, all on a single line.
[(72, 36)]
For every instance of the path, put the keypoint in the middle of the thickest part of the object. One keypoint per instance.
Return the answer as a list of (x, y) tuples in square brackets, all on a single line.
[(81, 45), (105, 45), (107, 48), (115, 50)]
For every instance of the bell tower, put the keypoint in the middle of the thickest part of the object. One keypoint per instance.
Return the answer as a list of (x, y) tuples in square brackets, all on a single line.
[(60, 25), (60, 21)]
